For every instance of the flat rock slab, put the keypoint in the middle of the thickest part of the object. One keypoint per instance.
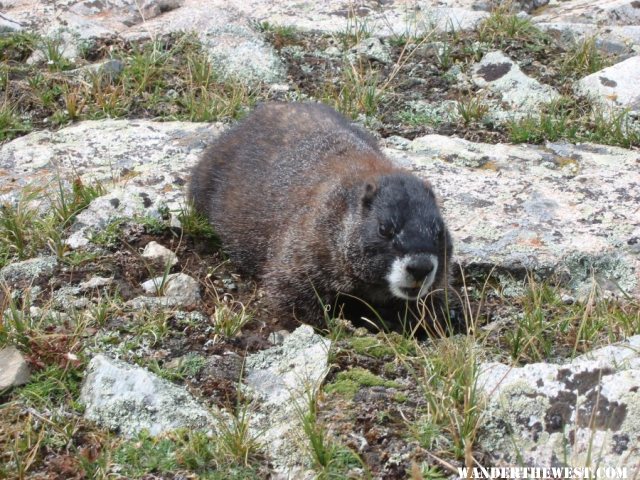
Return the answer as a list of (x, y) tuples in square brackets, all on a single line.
[(605, 12), (282, 379), (130, 399), (234, 45), (393, 19), (123, 17), (583, 413), (612, 39), (615, 86), (139, 151), (564, 210)]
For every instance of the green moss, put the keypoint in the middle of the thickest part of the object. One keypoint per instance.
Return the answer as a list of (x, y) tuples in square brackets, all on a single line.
[(349, 382), (17, 46), (370, 346), (51, 386), (400, 397), (381, 346), (108, 236), (167, 454)]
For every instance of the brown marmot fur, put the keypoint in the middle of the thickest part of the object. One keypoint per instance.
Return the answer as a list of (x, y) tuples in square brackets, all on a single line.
[(307, 202)]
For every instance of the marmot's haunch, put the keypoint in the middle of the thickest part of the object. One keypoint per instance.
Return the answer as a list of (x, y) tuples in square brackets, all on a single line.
[(308, 203)]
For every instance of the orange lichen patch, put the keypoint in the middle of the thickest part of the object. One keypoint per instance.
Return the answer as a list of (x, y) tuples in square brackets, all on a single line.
[(491, 166), (534, 242)]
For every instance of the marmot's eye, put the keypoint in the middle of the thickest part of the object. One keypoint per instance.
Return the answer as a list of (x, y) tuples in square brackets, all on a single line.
[(386, 231)]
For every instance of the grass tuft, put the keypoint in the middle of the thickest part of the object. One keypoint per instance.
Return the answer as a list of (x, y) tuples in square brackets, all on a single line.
[(328, 458), (583, 59), (503, 26), (576, 121)]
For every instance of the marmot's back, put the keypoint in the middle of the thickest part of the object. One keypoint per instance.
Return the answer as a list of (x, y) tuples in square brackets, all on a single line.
[(258, 176)]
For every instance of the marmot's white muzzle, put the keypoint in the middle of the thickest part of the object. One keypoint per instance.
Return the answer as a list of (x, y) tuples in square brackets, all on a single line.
[(411, 276)]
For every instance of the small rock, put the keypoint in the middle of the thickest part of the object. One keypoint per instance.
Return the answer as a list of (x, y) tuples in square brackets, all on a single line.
[(501, 76), (26, 273), (177, 287), (227, 366), (229, 284), (529, 6), (14, 370), (109, 70), (615, 86), (130, 399), (154, 251), (70, 297), (281, 378), (372, 49), (95, 282), (567, 299)]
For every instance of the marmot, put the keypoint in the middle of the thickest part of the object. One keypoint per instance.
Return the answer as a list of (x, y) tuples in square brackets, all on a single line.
[(306, 201)]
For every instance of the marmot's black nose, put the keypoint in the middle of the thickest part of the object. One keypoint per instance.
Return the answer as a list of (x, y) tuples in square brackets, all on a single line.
[(420, 268)]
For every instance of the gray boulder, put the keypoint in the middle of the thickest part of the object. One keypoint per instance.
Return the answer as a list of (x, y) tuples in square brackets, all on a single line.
[(281, 380), (130, 399), (581, 414)]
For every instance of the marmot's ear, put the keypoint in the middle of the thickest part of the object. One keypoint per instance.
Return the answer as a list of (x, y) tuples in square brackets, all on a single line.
[(370, 190)]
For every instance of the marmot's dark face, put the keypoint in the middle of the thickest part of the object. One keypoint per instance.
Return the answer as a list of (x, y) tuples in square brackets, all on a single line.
[(404, 242)]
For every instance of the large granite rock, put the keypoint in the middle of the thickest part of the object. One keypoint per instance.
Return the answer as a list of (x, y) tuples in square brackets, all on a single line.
[(105, 150), (581, 414), (606, 12), (615, 24), (148, 163)]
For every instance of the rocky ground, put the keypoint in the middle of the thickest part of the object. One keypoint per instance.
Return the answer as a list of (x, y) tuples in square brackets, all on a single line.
[(130, 347)]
